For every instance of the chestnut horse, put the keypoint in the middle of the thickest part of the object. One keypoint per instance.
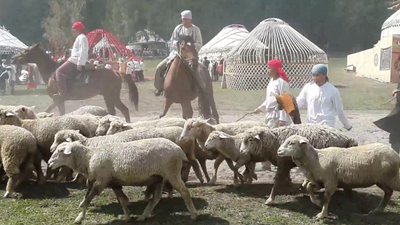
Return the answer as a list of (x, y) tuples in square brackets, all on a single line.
[(180, 87), (101, 82)]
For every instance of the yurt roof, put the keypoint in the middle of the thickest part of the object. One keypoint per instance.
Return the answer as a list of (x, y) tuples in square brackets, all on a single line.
[(227, 38), (391, 25), (281, 42), (151, 37), (9, 44)]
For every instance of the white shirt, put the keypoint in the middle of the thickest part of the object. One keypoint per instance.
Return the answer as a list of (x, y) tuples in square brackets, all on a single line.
[(275, 88), (323, 104), (180, 30), (12, 73), (80, 50)]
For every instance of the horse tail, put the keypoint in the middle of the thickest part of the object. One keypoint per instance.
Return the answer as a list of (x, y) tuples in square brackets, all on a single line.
[(133, 91)]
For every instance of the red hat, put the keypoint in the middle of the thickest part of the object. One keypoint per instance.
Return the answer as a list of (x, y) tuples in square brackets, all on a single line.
[(275, 63), (79, 26)]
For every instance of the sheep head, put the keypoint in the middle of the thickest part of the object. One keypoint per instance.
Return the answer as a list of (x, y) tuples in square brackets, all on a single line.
[(117, 126), (25, 112), (63, 155), (9, 118), (251, 141), (192, 129), (293, 146), (66, 136), (214, 139), (104, 124)]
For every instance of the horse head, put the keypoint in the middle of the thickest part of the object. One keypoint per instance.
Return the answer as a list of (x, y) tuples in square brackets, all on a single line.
[(187, 51), (29, 55)]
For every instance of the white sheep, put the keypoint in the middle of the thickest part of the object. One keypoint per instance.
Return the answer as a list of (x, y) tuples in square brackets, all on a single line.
[(199, 129), (44, 130), (117, 126), (91, 121), (25, 112), (170, 133), (355, 167), (263, 143), (18, 152), (89, 109), (137, 163), (229, 147), (44, 115)]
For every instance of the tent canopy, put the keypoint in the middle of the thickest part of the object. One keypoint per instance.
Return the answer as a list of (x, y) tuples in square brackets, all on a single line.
[(146, 36), (102, 40), (9, 44), (224, 41)]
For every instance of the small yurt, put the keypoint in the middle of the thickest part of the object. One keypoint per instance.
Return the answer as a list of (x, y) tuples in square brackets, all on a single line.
[(246, 63), (391, 25), (10, 45), (223, 42)]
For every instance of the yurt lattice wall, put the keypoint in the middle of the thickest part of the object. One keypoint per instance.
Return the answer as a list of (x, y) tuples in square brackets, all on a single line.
[(246, 64)]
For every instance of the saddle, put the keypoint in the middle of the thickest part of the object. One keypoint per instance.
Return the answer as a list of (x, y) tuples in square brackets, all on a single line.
[(164, 74), (83, 77)]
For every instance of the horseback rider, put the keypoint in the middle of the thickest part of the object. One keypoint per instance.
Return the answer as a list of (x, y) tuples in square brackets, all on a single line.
[(188, 29), (75, 64)]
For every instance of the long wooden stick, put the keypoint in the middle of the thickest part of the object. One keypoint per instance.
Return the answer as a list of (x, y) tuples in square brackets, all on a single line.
[(389, 100), (245, 116)]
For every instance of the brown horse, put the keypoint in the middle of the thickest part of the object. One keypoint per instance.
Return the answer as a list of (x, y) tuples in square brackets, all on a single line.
[(101, 82), (180, 87)]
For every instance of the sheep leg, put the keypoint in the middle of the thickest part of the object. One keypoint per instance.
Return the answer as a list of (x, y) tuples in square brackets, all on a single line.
[(62, 174), (157, 192), (385, 200), (196, 169), (11, 184), (94, 190), (178, 185), (217, 162), (123, 200), (236, 173), (185, 171), (38, 168), (311, 188), (330, 189), (202, 162)]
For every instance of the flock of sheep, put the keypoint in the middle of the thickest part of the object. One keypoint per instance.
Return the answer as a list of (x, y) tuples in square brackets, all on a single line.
[(105, 152)]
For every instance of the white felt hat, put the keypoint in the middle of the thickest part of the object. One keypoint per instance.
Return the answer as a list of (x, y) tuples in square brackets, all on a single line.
[(187, 14)]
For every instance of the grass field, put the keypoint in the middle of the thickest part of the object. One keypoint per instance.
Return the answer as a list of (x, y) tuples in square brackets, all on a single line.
[(219, 204)]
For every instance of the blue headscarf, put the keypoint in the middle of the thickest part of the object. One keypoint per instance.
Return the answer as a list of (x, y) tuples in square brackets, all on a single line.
[(320, 69)]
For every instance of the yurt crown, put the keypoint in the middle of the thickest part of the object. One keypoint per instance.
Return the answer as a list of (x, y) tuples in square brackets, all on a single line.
[(274, 20)]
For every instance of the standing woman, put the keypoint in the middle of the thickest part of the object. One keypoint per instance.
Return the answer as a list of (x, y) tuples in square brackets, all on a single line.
[(278, 85)]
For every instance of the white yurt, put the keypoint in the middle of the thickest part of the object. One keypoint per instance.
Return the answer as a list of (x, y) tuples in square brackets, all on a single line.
[(10, 45), (223, 42), (246, 64), (391, 25)]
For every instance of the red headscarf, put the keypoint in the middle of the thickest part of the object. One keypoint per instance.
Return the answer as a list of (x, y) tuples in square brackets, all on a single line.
[(79, 26), (275, 63)]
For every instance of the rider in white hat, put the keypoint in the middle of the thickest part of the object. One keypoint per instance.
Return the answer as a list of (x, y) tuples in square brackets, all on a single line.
[(186, 28)]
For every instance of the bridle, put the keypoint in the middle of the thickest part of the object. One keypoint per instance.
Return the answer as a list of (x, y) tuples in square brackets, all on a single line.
[(179, 54)]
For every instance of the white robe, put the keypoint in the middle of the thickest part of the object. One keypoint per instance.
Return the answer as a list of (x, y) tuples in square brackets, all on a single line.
[(274, 115), (80, 50), (323, 104)]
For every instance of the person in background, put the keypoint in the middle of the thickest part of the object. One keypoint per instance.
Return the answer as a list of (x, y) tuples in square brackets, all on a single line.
[(277, 85), (76, 63), (4, 75), (221, 67), (206, 62), (11, 80), (185, 28), (322, 100)]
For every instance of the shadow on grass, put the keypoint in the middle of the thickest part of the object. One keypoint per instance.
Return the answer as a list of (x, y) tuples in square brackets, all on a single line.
[(162, 212), (205, 219), (32, 190), (345, 209), (259, 190)]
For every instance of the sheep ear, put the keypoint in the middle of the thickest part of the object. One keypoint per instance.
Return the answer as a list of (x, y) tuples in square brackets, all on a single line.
[(68, 140), (257, 137), (124, 125), (51, 114), (9, 114), (303, 141), (67, 151), (222, 135), (33, 107)]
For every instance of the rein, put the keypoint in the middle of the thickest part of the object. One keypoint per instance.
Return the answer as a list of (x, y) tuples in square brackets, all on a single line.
[(179, 53)]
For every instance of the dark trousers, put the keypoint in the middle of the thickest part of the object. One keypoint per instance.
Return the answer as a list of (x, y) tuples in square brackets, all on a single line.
[(12, 85), (65, 71)]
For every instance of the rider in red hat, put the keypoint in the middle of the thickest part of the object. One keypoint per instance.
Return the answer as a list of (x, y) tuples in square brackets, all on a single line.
[(75, 63)]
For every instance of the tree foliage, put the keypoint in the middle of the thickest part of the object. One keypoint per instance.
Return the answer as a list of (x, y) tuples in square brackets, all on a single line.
[(334, 25)]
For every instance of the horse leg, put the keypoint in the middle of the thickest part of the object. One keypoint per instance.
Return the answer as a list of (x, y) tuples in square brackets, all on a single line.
[(61, 107), (187, 111), (213, 107), (167, 105), (124, 110), (51, 107), (109, 104)]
